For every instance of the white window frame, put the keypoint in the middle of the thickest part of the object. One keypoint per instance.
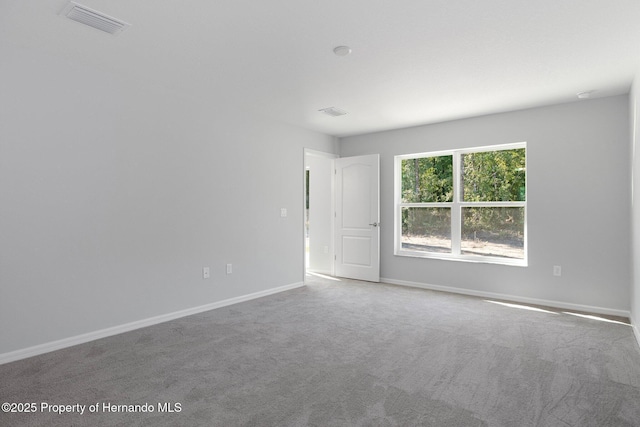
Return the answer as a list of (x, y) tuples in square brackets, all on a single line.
[(456, 208)]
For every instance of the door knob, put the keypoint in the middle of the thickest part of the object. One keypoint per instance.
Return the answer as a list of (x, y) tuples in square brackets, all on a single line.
[(375, 224)]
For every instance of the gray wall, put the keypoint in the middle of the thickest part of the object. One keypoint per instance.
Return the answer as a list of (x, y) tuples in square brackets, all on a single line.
[(115, 195), (578, 202), (634, 103)]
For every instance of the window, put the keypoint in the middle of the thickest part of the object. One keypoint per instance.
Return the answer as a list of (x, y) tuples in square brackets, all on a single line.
[(463, 204)]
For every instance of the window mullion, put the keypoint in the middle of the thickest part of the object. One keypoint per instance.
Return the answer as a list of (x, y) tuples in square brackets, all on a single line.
[(493, 204), (456, 232)]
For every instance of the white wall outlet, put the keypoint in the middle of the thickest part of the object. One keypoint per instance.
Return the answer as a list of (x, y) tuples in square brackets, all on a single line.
[(326, 249), (206, 273), (229, 268), (557, 270), (283, 212)]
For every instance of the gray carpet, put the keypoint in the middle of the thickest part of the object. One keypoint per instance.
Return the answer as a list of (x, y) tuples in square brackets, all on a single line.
[(344, 354)]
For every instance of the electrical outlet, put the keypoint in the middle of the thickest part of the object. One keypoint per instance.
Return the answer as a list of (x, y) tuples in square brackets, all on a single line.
[(557, 270), (206, 273), (229, 268), (283, 212)]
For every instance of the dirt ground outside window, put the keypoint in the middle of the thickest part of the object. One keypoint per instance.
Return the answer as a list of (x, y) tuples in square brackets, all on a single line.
[(439, 244)]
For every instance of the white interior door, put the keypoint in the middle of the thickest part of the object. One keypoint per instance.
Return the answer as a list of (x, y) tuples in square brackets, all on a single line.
[(357, 238)]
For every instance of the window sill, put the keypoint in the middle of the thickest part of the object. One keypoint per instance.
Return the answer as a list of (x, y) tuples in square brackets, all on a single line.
[(464, 258)]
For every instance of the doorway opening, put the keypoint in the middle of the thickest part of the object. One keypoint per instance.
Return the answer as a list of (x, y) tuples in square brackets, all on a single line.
[(318, 212), (307, 175), (342, 215)]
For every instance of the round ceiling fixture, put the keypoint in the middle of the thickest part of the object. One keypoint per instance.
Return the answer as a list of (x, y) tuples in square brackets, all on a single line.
[(342, 50)]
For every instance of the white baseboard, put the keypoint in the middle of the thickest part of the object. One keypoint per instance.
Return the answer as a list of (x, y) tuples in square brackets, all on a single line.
[(515, 298), (103, 333)]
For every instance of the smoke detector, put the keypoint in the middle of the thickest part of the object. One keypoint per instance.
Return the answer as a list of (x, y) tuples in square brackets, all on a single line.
[(342, 50), (93, 18), (333, 111)]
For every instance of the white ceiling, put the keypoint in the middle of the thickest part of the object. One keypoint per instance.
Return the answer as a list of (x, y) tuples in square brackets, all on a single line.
[(413, 62)]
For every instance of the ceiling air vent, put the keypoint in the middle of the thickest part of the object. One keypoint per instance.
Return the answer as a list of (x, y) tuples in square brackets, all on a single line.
[(333, 112), (93, 18)]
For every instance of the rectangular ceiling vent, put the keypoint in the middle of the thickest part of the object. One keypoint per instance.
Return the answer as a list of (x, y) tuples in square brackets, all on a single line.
[(93, 18), (333, 111)]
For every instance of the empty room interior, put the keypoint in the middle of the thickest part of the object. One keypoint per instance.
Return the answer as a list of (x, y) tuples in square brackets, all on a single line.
[(303, 213)]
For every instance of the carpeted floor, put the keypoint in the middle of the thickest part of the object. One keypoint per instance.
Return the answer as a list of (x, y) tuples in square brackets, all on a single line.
[(342, 353)]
